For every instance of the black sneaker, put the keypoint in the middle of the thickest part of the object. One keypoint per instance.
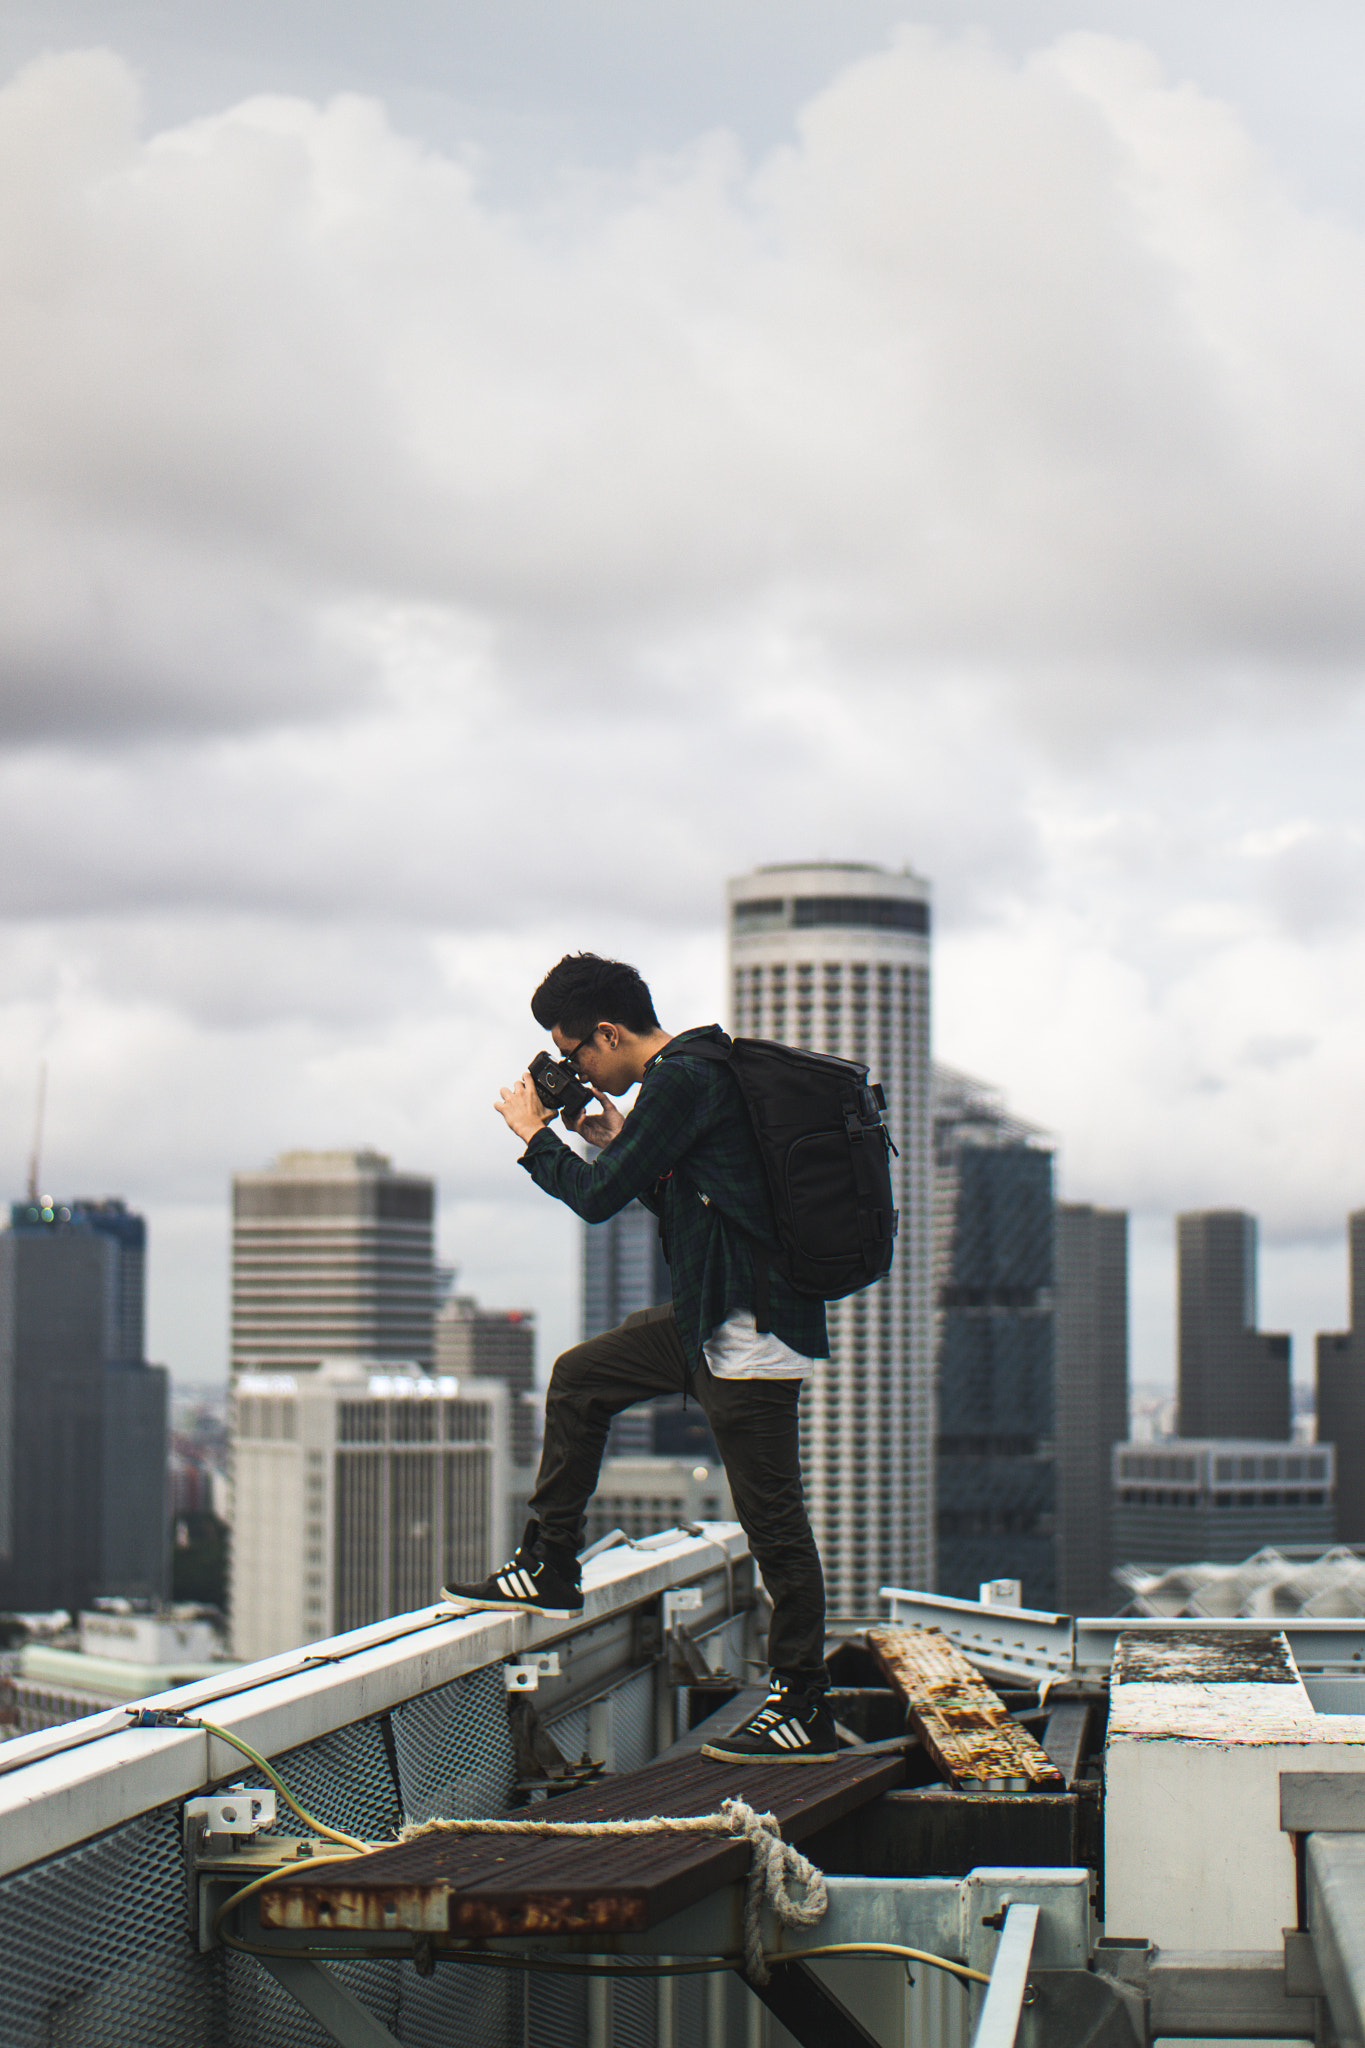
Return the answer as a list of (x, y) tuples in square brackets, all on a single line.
[(790, 1727), (528, 1580)]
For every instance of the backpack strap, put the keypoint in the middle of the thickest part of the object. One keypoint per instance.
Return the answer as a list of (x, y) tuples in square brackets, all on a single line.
[(719, 1049)]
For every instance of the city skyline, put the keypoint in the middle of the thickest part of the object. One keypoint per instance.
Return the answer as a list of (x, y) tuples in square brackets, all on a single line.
[(562, 413)]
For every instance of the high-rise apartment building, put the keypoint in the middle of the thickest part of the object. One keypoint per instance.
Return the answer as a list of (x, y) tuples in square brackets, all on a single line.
[(359, 1490), (1090, 1382), (993, 1266), (332, 1257), (834, 956), (1341, 1395), (1234, 1378), (83, 1418)]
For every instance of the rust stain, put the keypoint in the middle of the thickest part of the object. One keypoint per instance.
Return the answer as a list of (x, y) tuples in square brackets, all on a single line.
[(438, 1909), (962, 1724)]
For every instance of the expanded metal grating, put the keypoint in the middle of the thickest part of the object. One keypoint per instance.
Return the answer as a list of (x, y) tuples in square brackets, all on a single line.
[(345, 1779), (454, 1749), (263, 2015), (96, 1952)]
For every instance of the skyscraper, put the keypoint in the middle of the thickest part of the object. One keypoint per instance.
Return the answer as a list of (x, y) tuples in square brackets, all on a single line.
[(332, 1257), (834, 956), (1341, 1395), (1090, 1319), (360, 1489), (1234, 1378), (624, 1269), (83, 1418), (993, 1251)]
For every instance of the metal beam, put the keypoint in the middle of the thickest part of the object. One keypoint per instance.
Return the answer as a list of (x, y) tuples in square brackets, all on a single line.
[(1063, 1738), (809, 2010), (350, 2024), (1004, 2001), (1336, 1916), (1225, 1995), (1325, 1802)]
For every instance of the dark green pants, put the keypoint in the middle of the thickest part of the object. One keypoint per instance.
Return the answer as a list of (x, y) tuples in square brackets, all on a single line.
[(755, 1427)]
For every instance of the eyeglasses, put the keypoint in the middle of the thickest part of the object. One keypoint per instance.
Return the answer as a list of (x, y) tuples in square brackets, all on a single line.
[(574, 1050)]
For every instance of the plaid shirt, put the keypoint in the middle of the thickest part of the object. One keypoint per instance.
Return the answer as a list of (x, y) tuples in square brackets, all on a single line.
[(688, 1152)]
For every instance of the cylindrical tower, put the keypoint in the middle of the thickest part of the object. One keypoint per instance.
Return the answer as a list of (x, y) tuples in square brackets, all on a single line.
[(834, 956)]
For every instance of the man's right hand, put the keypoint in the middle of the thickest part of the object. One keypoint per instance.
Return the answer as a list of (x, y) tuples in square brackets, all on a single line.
[(598, 1129)]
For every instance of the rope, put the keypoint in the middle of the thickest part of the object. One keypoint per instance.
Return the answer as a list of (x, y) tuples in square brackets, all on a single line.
[(774, 1867)]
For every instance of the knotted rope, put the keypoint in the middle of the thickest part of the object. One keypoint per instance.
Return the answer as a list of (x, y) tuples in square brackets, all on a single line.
[(774, 1865)]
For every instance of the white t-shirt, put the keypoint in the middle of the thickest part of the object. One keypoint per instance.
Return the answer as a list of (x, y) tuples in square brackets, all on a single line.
[(735, 1351)]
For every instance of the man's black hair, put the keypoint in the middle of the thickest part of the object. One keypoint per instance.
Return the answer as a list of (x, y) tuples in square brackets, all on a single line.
[(584, 991)]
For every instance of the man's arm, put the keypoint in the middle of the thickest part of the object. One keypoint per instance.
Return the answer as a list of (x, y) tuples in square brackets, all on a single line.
[(663, 1124)]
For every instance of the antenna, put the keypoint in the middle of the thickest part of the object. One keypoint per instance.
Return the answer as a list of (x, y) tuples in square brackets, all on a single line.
[(35, 1157)]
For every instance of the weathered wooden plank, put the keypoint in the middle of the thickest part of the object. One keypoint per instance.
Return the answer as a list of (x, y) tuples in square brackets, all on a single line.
[(510, 1885), (964, 1727)]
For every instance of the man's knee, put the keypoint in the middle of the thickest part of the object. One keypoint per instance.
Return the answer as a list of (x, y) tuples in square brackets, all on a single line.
[(571, 1375)]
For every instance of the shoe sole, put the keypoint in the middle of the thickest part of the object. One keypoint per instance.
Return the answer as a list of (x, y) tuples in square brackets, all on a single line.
[(465, 1605), (776, 1756)]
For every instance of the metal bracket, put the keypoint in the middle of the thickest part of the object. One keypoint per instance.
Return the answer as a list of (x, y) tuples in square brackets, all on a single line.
[(525, 1675), (685, 1600), (241, 1810)]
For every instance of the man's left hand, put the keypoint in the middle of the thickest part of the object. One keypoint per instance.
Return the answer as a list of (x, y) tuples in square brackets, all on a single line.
[(522, 1110)]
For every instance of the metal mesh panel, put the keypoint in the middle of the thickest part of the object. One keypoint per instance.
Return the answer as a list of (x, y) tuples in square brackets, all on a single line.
[(263, 2015), (635, 2012), (344, 1779), (95, 1948), (457, 2005), (455, 1750), (570, 1732), (556, 2011), (632, 1721)]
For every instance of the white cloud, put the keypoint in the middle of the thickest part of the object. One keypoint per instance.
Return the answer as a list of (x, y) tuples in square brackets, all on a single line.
[(398, 588)]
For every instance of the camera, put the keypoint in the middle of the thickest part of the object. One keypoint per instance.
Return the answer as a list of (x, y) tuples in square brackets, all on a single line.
[(557, 1085)]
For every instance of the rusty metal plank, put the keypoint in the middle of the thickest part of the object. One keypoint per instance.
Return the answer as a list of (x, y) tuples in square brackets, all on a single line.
[(508, 1885), (963, 1725)]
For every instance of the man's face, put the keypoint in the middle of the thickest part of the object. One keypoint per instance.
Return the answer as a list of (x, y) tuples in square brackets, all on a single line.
[(600, 1058)]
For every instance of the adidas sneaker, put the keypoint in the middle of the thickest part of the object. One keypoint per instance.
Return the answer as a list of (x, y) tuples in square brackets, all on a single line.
[(528, 1580), (791, 1727)]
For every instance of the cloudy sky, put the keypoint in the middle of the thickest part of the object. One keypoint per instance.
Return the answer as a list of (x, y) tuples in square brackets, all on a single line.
[(476, 476)]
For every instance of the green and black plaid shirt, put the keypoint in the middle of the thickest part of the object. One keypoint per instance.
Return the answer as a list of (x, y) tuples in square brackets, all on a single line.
[(687, 1151)]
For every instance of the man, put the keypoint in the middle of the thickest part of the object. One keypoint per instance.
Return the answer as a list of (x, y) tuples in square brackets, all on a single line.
[(688, 1152)]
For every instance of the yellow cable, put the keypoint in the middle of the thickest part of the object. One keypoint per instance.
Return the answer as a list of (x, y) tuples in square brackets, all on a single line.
[(879, 1948), (314, 1826)]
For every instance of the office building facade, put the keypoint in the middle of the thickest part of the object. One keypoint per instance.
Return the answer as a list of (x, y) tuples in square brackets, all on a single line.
[(993, 1269), (1233, 1378), (333, 1256), (359, 1489), (834, 956), (475, 1343), (1218, 1502), (1090, 1389), (83, 1417), (1341, 1395)]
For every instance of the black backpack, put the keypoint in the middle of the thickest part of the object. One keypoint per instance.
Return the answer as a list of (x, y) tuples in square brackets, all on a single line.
[(825, 1151)]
